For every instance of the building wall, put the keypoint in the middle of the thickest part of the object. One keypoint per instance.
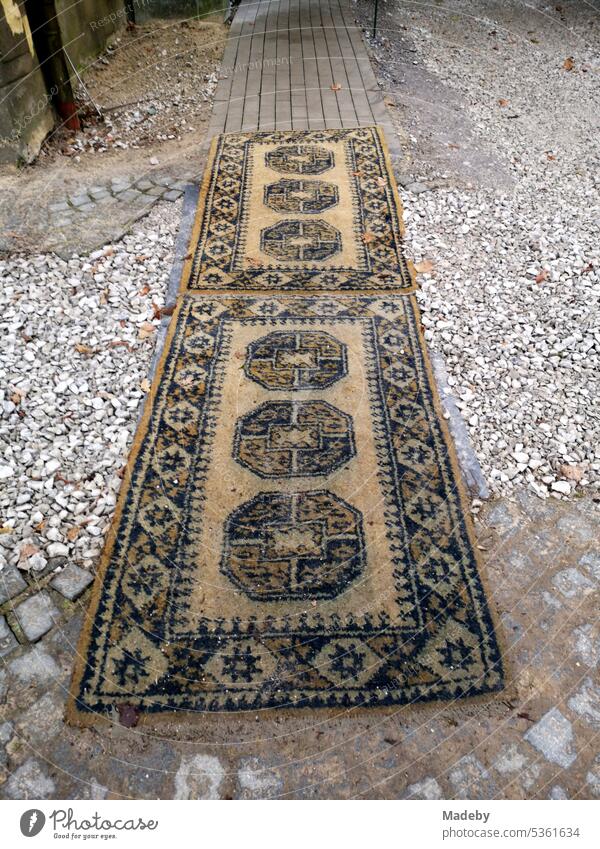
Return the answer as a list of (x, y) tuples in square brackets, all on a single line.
[(26, 113), (87, 25), (26, 116)]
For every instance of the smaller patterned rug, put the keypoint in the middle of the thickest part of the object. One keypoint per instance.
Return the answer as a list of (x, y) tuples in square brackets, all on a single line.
[(291, 530), (299, 210)]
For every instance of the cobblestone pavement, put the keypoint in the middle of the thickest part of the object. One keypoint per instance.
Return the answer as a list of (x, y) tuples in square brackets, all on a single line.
[(93, 215), (538, 740)]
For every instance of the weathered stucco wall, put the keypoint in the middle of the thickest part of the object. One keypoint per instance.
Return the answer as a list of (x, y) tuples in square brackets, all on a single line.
[(26, 115), (26, 111), (87, 25)]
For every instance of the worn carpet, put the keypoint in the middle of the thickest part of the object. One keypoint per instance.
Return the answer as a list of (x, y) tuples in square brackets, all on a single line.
[(290, 531), (297, 210)]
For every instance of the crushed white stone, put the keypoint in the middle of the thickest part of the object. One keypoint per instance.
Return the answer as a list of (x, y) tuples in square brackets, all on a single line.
[(75, 345), (513, 302)]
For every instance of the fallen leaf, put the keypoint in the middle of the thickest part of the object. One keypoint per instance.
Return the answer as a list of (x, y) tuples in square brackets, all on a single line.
[(6, 529), (84, 349), (426, 266), (144, 290), (571, 473), (186, 257), (73, 533), (145, 385), (543, 275), (167, 310), (368, 237), (62, 479), (336, 87), (141, 258), (569, 63), (40, 527), (503, 102), (129, 715), (146, 329), (254, 262), (454, 146), (27, 551), (551, 156), (589, 267), (103, 298), (16, 397)]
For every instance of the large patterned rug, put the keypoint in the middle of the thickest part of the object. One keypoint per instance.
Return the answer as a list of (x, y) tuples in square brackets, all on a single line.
[(291, 530), (298, 210)]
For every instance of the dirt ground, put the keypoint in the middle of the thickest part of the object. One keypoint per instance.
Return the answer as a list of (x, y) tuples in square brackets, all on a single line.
[(154, 88)]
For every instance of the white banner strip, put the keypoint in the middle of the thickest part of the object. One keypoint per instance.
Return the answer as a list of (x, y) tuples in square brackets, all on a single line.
[(291, 825)]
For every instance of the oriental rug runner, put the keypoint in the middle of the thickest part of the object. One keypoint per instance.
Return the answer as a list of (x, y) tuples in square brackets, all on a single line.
[(291, 531), (304, 210)]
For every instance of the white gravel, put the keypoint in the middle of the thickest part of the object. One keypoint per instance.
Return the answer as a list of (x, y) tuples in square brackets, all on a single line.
[(513, 300), (76, 339)]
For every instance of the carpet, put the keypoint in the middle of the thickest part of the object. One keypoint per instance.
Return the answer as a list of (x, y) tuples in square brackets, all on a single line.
[(299, 210), (291, 530)]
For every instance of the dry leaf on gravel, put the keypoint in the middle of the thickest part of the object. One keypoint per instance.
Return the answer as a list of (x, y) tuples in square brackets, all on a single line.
[(543, 275), (426, 266), (336, 87), (571, 473), (503, 102), (145, 385), (569, 63), (146, 329)]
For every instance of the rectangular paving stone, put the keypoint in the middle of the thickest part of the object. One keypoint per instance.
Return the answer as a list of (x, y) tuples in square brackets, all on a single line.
[(98, 192), (130, 194), (553, 737), (11, 583), (36, 615), (172, 195), (72, 581), (144, 185), (80, 199), (59, 207), (8, 641), (156, 191)]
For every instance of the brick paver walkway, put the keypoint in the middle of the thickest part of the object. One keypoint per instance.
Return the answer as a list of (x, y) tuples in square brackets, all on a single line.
[(296, 64)]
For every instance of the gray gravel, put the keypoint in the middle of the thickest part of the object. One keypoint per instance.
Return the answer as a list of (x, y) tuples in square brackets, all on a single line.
[(512, 300), (76, 340)]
